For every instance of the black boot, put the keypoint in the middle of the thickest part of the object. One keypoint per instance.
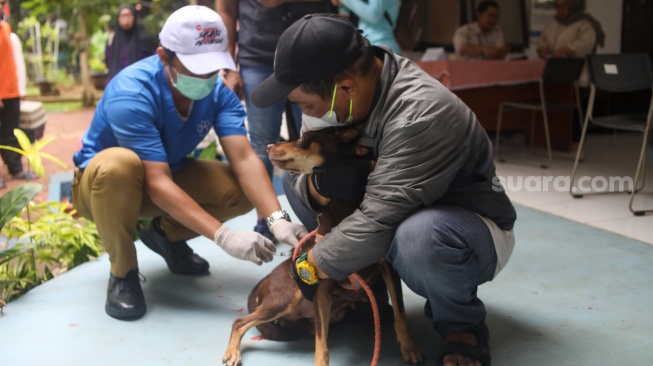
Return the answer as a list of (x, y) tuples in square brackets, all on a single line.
[(125, 299), (178, 255)]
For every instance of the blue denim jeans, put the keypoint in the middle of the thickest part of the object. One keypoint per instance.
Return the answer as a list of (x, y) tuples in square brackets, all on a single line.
[(264, 124), (442, 253)]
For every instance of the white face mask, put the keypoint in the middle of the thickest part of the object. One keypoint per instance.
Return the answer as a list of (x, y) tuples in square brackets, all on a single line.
[(330, 119)]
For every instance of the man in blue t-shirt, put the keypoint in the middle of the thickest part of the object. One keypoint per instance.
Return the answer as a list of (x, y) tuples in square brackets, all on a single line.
[(134, 162)]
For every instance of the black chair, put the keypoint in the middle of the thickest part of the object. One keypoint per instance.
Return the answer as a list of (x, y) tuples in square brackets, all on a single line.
[(619, 73), (556, 71)]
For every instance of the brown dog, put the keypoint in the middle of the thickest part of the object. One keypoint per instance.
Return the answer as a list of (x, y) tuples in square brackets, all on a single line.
[(276, 305)]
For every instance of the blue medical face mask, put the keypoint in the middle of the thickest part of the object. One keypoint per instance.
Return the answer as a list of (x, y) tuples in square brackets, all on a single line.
[(330, 119), (191, 87)]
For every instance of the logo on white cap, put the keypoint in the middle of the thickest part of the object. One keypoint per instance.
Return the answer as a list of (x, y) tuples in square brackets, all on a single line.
[(198, 36)]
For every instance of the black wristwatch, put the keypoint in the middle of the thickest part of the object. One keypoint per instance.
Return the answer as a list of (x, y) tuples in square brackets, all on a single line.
[(277, 215)]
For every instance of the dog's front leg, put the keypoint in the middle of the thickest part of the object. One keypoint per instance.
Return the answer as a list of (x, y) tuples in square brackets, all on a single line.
[(409, 351), (322, 304)]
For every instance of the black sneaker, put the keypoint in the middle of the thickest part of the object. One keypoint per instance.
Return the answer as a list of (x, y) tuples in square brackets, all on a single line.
[(261, 227), (179, 257), (125, 300)]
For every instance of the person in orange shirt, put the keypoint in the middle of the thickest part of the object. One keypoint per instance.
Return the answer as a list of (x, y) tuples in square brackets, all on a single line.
[(9, 102)]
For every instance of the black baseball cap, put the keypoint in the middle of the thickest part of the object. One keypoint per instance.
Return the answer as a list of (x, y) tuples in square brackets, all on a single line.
[(313, 48)]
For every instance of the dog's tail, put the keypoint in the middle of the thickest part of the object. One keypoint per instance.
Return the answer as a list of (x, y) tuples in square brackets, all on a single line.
[(275, 331)]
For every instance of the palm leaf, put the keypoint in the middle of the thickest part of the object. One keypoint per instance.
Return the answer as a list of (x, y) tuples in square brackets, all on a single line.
[(23, 140), (16, 199), (54, 159), (14, 150), (37, 165), (39, 144), (7, 254)]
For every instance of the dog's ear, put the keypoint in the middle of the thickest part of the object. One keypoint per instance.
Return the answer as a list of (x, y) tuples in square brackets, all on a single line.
[(346, 134), (305, 139)]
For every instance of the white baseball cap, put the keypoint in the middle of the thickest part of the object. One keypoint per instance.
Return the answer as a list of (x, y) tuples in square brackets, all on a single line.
[(199, 38)]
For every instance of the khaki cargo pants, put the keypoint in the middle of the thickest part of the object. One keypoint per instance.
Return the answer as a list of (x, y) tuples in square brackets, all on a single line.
[(110, 192)]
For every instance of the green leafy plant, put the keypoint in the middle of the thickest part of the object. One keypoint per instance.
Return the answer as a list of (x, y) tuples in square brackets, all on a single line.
[(51, 242), (209, 152), (42, 43), (46, 237), (34, 157), (96, 62), (97, 66), (159, 12), (11, 204), (83, 18)]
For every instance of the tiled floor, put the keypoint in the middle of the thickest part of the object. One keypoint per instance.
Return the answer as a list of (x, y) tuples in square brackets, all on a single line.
[(607, 155)]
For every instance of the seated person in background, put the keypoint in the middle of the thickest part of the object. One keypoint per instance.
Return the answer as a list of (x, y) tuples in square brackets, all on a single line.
[(571, 32), (482, 39)]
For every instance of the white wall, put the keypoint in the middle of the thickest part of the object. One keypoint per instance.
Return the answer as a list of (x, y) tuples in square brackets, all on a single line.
[(609, 13)]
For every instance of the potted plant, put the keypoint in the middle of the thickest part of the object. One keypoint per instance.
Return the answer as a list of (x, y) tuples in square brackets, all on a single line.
[(43, 43), (96, 62), (99, 73)]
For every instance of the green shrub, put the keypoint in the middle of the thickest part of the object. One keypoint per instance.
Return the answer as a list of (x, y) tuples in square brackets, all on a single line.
[(53, 242), (46, 238)]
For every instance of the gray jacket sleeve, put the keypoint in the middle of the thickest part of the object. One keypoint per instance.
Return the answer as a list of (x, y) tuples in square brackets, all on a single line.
[(421, 151)]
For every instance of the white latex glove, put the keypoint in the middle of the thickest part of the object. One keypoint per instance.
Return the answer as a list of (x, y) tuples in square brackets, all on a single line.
[(247, 245), (287, 232)]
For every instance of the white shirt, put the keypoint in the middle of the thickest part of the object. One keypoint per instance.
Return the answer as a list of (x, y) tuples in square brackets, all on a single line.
[(19, 60), (471, 34), (579, 37)]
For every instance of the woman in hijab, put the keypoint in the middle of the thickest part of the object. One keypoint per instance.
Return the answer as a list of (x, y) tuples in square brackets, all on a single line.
[(571, 32), (127, 43)]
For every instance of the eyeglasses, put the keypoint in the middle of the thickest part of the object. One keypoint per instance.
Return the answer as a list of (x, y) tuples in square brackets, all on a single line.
[(126, 16)]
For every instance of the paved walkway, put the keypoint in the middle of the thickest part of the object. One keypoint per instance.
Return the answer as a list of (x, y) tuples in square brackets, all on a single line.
[(67, 128)]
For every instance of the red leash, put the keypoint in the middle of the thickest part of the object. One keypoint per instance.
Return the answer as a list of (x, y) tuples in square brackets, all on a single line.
[(375, 312), (355, 279)]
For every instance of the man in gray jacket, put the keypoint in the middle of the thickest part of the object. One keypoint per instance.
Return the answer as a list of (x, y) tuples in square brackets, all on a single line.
[(432, 205)]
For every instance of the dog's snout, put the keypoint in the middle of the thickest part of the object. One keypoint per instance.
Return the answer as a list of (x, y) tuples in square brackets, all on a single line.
[(269, 147)]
